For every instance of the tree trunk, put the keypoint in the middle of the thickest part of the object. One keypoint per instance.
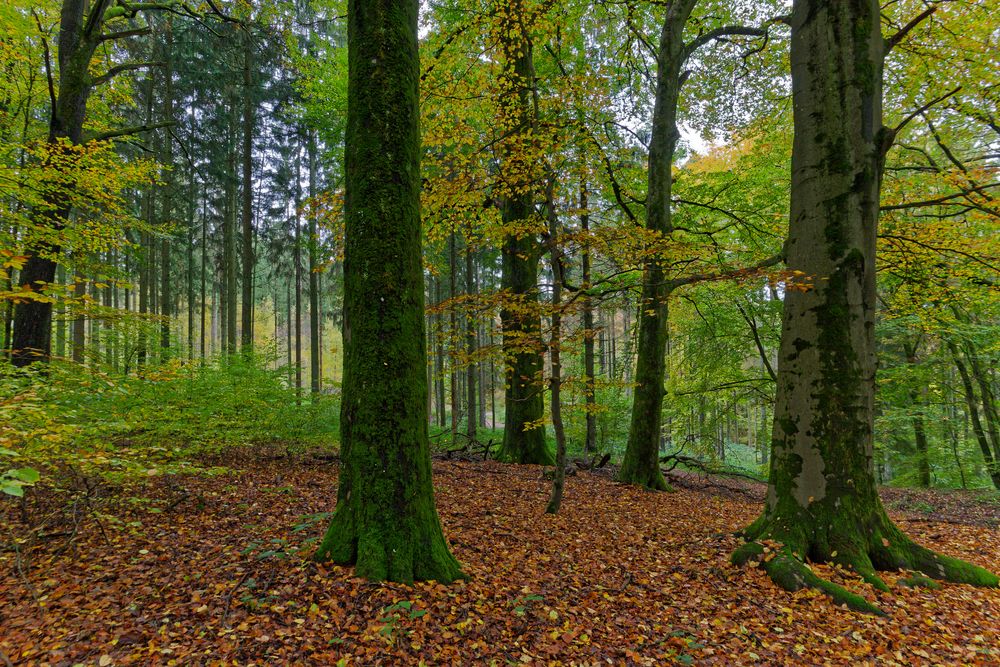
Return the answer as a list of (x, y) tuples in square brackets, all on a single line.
[(313, 240), (589, 384), (246, 209), (822, 500), (472, 414), (641, 463), (453, 337), (524, 407), (167, 152), (990, 458), (80, 24), (555, 359), (385, 522), (297, 258)]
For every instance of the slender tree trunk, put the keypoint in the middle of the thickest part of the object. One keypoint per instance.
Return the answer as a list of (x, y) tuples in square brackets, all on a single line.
[(990, 458), (439, 357), (453, 337), (167, 152), (313, 241), (204, 273), (589, 383), (555, 358), (641, 464), (472, 413), (385, 522), (297, 258), (247, 254), (79, 327), (61, 322), (822, 500)]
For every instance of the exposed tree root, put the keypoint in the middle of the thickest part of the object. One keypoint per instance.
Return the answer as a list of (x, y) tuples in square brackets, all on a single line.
[(782, 553)]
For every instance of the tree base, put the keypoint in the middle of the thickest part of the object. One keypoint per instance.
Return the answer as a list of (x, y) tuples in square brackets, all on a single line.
[(400, 555), (649, 479), (782, 553)]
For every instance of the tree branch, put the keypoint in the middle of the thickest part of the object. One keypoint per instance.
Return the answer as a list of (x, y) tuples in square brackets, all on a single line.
[(891, 42), (126, 131), (719, 33), (122, 34), (127, 67), (924, 108)]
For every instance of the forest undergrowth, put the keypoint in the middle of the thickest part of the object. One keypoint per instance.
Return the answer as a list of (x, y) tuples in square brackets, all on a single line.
[(206, 569)]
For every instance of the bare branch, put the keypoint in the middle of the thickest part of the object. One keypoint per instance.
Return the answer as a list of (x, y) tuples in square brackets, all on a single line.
[(126, 131), (127, 67), (123, 34), (891, 42), (923, 109)]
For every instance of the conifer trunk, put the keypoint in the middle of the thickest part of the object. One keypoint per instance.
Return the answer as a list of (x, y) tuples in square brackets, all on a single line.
[(246, 208), (822, 500), (385, 521)]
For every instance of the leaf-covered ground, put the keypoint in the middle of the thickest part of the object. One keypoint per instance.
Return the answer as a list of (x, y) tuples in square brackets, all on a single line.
[(206, 570)]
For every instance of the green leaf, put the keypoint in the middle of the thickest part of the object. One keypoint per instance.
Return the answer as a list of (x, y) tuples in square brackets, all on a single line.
[(12, 489), (26, 475)]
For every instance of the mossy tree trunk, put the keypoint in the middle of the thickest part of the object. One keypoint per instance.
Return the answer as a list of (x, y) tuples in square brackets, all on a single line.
[(822, 501), (385, 522), (524, 433), (641, 464)]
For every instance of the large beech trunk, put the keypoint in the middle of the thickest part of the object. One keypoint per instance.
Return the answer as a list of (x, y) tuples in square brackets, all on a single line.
[(385, 521), (822, 501)]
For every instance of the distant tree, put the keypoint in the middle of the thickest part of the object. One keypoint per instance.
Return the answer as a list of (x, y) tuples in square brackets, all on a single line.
[(385, 522), (823, 501)]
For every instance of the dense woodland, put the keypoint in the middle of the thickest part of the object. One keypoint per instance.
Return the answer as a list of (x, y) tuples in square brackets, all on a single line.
[(402, 292)]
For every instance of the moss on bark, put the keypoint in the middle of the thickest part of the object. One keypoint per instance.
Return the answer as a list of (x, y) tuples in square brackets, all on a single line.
[(385, 521), (823, 504)]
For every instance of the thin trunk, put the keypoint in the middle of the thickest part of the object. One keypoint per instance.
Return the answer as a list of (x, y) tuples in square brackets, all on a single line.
[(313, 241), (555, 358), (247, 254), (472, 414), (589, 383), (453, 338)]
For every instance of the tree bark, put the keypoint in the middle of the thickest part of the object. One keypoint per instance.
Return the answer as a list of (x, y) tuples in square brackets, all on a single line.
[(822, 500), (472, 414), (313, 241), (640, 464), (524, 408), (79, 35), (246, 208), (589, 383), (385, 522)]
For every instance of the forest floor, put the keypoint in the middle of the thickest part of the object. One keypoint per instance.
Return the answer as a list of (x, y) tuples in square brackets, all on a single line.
[(210, 569)]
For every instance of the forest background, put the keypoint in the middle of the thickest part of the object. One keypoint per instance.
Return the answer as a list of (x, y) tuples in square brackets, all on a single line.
[(197, 268)]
